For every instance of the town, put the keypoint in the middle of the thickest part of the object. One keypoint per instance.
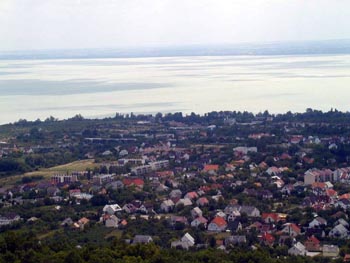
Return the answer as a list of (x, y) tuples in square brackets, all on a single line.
[(230, 182)]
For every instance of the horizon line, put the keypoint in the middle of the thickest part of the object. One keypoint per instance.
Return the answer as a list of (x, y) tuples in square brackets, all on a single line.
[(174, 46)]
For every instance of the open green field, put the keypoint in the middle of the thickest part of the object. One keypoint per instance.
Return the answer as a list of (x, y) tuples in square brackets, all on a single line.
[(81, 165)]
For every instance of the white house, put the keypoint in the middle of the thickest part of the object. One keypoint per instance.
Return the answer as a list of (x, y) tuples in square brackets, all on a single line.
[(112, 209), (112, 221), (317, 222), (297, 250), (185, 242), (196, 212), (184, 202), (339, 231), (167, 205)]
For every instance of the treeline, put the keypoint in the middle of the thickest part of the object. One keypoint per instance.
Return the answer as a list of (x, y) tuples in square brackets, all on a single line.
[(310, 115), (12, 166), (24, 247)]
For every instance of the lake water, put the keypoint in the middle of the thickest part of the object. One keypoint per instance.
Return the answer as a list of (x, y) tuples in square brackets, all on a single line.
[(31, 89)]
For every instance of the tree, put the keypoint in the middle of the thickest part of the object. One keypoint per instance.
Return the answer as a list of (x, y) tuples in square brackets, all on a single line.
[(99, 200), (73, 257)]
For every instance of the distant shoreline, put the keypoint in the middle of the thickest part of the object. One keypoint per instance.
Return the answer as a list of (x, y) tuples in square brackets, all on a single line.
[(309, 113), (327, 47)]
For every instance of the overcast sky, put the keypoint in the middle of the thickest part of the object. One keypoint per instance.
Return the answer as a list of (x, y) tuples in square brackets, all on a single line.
[(52, 24)]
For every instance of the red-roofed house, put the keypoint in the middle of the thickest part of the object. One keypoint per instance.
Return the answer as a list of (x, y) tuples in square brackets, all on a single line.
[(331, 193), (312, 244), (345, 196), (203, 201), (191, 195), (133, 182), (218, 224), (267, 239), (165, 174), (273, 217), (74, 192), (199, 220), (291, 229), (211, 168)]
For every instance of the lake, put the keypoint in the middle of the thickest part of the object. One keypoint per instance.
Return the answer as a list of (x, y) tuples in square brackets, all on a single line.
[(31, 89)]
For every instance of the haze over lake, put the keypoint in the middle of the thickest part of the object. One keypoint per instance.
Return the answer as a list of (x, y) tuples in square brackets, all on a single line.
[(31, 89)]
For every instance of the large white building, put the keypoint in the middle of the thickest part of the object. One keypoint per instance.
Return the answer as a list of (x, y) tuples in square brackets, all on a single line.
[(64, 178)]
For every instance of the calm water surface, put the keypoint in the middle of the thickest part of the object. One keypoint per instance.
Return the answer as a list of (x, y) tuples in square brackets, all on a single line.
[(34, 89)]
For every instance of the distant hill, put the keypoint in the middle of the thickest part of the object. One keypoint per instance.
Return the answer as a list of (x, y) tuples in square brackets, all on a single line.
[(276, 48)]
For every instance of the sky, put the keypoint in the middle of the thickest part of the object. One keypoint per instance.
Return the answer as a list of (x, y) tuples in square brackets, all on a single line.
[(70, 24)]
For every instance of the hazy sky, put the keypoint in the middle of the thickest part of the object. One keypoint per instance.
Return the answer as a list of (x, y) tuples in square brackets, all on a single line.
[(47, 24)]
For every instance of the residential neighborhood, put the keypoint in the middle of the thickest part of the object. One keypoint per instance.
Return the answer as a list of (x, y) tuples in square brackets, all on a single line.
[(189, 183)]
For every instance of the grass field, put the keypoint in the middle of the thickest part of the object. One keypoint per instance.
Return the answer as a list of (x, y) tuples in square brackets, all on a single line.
[(81, 165)]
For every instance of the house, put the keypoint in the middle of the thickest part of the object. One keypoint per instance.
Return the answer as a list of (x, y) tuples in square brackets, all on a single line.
[(274, 170), (339, 231), (343, 222), (297, 250), (184, 202), (235, 240), (339, 215), (167, 206), (142, 239), (188, 239), (220, 214), (82, 223), (330, 251), (309, 178), (32, 219), (250, 211), (196, 212), (115, 185), (146, 207), (136, 182), (287, 189), (312, 244), (291, 229), (202, 201), (198, 221), (9, 219), (129, 208), (235, 226), (112, 221), (162, 188), (331, 193), (191, 195), (241, 150), (267, 238), (218, 224), (185, 242), (317, 222), (112, 209), (233, 215), (178, 219), (317, 232), (174, 194), (74, 192), (102, 179), (52, 191), (210, 168), (343, 203), (67, 222), (273, 217)]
